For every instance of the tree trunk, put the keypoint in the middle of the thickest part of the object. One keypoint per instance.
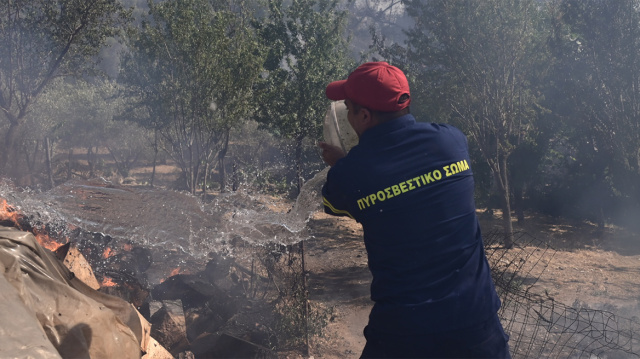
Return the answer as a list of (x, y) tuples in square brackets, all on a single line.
[(31, 158), (518, 203), (506, 221), (9, 149), (69, 171), (121, 166), (222, 174), (192, 173), (205, 178), (90, 161), (502, 179), (47, 144), (221, 156), (155, 158), (234, 176), (602, 189), (298, 160)]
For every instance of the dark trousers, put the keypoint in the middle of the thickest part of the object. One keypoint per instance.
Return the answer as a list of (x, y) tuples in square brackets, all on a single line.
[(486, 340)]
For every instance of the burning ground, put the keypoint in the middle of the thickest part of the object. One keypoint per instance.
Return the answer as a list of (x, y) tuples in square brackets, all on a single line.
[(210, 281)]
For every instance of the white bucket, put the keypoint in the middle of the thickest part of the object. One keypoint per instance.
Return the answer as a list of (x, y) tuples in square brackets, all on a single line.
[(337, 130)]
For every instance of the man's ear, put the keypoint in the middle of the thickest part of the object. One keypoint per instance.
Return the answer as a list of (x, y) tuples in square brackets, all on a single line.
[(367, 118)]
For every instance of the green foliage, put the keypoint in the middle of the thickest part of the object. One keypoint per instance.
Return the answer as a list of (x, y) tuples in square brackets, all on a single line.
[(479, 62), (483, 57), (307, 50), (41, 40), (71, 107), (190, 75), (76, 114), (265, 181), (597, 47), (546, 90)]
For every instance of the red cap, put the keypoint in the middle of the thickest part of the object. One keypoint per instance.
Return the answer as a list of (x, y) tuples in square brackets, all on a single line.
[(374, 85)]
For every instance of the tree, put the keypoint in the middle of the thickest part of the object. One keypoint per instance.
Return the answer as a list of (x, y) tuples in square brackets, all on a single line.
[(480, 58), (190, 73), (597, 76), (75, 114), (384, 20), (41, 40), (307, 51)]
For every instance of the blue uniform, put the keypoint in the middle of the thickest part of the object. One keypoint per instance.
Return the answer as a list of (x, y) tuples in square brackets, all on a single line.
[(411, 187)]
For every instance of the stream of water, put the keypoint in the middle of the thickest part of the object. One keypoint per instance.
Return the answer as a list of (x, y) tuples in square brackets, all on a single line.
[(172, 220)]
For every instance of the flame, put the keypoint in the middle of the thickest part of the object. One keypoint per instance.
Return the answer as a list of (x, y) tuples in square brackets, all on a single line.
[(175, 271), (46, 241), (8, 213), (179, 270), (108, 282), (108, 252), (127, 247)]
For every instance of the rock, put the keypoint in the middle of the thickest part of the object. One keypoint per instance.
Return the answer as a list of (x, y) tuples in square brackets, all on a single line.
[(78, 264), (168, 327), (156, 351)]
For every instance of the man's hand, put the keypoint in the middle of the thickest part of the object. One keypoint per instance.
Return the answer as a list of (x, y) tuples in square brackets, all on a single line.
[(330, 153)]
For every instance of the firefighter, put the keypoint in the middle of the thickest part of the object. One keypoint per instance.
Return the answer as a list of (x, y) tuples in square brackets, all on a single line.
[(410, 185)]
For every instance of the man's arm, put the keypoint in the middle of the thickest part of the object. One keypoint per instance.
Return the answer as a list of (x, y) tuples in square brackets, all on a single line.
[(337, 206)]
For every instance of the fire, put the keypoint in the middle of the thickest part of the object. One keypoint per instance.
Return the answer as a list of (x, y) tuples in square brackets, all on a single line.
[(108, 282), (127, 247), (8, 213), (108, 252), (45, 240), (175, 271)]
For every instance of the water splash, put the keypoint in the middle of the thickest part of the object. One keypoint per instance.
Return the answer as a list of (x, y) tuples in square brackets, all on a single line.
[(284, 228), (168, 219)]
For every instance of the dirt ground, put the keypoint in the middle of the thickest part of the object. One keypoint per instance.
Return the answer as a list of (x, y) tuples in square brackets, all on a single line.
[(599, 270)]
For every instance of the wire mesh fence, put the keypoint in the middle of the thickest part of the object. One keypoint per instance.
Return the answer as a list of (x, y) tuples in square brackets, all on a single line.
[(539, 326)]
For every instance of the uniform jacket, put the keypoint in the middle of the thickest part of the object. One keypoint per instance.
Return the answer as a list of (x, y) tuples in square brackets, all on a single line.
[(411, 187)]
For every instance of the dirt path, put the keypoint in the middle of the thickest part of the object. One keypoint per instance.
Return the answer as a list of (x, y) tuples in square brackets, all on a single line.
[(339, 278)]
